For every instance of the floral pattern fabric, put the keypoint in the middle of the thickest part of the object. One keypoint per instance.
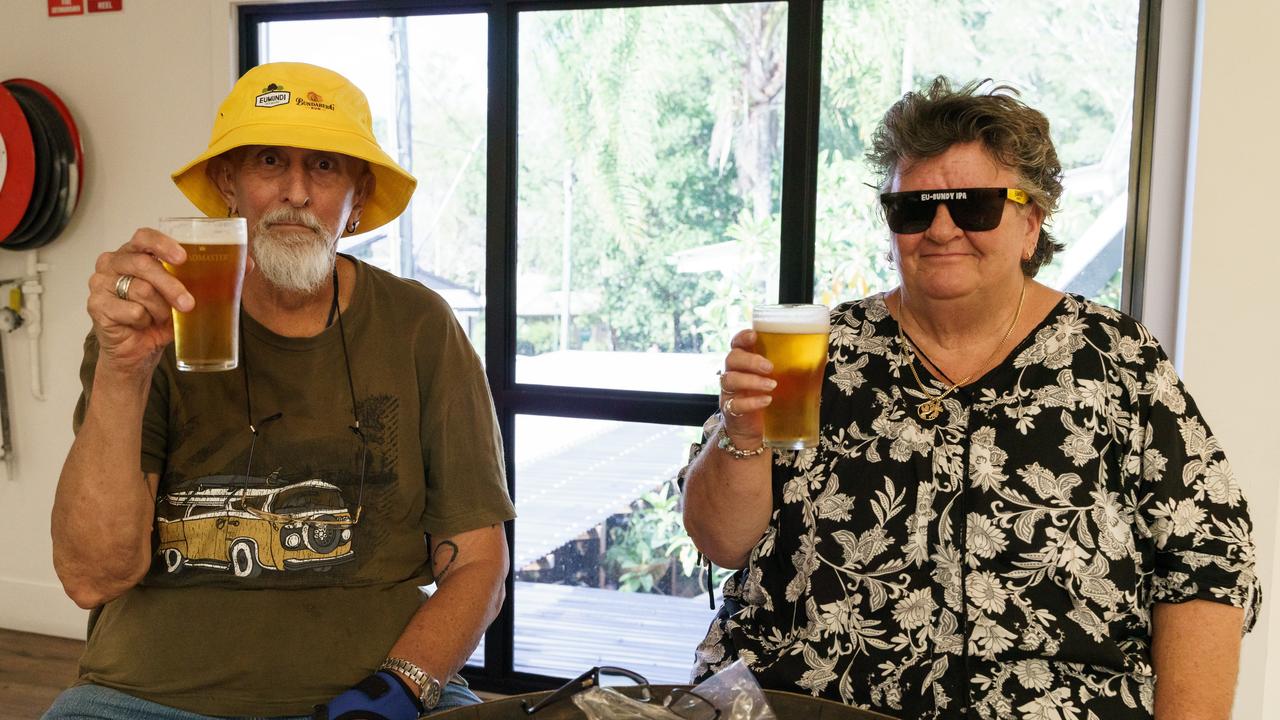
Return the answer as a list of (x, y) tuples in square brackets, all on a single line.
[(1001, 560)]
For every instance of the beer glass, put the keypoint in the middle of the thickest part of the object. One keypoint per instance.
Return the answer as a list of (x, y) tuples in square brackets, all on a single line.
[(794, 339), (207, 339)]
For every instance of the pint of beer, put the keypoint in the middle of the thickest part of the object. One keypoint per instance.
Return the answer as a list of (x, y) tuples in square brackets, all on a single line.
[(794, 339), (207, 339)]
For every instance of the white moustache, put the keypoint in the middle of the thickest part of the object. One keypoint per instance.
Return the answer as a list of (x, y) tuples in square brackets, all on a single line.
[(292, 216)]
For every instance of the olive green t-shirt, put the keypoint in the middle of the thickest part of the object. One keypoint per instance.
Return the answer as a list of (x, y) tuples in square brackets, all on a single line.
[(287, 564)]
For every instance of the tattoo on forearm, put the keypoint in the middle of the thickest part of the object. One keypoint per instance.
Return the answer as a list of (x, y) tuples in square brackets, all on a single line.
[(436, 557)]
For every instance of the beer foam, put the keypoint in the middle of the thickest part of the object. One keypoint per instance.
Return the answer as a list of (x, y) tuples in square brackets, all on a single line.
[(206, 231), (791, 319), (791, 327)]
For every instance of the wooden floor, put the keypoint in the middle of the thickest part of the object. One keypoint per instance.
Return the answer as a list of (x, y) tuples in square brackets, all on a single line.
[(33, 670)]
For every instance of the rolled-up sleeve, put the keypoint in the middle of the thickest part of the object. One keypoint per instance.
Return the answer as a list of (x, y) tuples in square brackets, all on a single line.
[(1193, 509)]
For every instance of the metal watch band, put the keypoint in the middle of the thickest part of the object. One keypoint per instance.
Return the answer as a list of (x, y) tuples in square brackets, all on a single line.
[(429, 687)]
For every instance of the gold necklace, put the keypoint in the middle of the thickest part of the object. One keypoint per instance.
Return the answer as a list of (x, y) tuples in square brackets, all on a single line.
[(930, 409)]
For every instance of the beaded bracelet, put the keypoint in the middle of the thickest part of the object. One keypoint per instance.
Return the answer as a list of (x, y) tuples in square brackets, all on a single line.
[(726, 444)]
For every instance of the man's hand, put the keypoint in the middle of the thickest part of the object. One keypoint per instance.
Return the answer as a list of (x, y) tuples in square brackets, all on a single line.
[(381, 696), (133, 318)]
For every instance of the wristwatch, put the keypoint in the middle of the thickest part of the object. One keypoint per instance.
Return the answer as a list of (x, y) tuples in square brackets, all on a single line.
[(429, 693)]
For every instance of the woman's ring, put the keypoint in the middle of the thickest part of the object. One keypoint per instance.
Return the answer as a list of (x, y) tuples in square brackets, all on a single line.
[(122, 286), (728, 407), (724, 389)]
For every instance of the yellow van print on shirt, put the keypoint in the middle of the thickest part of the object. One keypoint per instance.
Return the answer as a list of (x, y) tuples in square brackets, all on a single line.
[(225, 525)]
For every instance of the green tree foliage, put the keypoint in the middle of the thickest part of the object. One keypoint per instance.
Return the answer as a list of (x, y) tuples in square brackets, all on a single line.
[(628, 116), (659, 128), (652, 545)]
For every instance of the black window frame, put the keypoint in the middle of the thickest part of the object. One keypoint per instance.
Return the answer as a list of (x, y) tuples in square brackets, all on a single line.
[(798, 211)]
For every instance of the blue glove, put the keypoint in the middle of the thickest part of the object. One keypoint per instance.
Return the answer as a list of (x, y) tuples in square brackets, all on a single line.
[(381, 696)]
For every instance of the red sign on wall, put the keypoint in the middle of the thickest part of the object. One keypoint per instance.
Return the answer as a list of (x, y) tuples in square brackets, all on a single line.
[(58, 8), (105, 5)]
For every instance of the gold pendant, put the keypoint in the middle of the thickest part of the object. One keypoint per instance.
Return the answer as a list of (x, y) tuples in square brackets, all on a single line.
[(930, 410)]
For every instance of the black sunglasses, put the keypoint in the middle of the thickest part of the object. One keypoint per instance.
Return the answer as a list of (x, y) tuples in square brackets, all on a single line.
[(972, 209)]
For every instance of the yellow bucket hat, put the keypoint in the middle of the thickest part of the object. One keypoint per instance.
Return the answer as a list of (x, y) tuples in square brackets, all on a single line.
[(302, 106)]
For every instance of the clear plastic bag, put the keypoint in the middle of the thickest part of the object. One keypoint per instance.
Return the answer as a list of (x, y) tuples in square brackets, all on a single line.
[(601, 703), (734, 691)]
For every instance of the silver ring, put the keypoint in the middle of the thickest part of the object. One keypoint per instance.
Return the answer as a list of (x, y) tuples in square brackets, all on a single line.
[(728, 407), (122, 286), (720, 382)]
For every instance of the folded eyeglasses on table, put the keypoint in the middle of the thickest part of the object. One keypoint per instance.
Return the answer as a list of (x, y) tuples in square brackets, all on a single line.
[(679, 703)]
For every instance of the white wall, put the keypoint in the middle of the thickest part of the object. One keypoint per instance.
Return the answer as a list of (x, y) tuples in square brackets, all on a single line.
[(144, 84), (1230, 341)]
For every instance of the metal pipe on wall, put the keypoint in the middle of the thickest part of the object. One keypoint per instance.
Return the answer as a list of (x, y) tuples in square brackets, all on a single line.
[(32, 290)]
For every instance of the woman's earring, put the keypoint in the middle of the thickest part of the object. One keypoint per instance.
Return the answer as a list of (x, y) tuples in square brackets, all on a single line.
[(351, 227)]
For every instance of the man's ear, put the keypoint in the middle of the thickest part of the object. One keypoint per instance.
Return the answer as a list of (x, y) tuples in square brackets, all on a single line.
[(364, 191), (221, 172)]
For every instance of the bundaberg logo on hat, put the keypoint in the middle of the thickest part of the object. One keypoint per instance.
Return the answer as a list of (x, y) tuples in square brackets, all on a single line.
[(271, 96), (313, 100)]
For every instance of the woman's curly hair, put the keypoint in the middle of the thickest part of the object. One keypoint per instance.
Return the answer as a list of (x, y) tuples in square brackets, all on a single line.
[(925, 124)]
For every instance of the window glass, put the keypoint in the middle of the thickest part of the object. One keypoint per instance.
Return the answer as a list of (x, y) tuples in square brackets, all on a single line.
[(648, 185), (604, 572), (426, 81), (650, 158), (1073, 61)]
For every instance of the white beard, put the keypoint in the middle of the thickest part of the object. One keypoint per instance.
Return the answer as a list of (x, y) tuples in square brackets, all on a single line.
[(299, 262)]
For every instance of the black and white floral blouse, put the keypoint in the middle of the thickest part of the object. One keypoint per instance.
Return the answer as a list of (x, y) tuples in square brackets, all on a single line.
[(1001, 560)]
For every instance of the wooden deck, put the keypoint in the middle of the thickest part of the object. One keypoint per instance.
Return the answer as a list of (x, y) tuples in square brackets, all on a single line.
[(561, 495), (562, 631)]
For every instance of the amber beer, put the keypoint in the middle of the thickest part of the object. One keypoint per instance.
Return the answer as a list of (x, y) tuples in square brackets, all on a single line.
[(794, 339), (207, 339)]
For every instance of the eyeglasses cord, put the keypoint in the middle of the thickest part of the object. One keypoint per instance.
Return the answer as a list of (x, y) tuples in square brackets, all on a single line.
[(334, 309)]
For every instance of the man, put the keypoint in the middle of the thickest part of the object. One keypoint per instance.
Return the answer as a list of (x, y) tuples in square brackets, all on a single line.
[(267, 557)]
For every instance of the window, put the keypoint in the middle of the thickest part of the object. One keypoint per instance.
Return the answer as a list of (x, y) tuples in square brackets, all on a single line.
[(648, 190), (425, 78), (603, 570), (1072, 61), (605, 191)]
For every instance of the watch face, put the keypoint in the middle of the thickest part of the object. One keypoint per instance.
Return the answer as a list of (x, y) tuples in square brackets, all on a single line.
[(430, 694)]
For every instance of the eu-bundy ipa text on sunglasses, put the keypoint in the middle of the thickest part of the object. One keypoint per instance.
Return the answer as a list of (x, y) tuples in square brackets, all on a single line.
[(972, 209)]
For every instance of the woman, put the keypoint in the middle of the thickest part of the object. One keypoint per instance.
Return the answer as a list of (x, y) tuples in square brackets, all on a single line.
[(1016, 510)]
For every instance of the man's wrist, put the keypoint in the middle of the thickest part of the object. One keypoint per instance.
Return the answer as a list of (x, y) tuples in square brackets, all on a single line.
[(428, 687)]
